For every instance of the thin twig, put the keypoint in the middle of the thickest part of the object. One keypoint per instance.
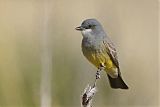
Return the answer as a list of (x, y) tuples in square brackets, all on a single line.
[(90, 91)]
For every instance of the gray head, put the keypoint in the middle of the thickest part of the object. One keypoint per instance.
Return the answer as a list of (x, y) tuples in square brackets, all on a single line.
[(90, 26)]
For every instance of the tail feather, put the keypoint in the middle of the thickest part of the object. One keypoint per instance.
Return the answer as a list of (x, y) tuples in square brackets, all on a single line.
[(117, 82)]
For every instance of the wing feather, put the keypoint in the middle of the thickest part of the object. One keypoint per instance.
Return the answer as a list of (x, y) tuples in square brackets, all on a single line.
[(111, 51)]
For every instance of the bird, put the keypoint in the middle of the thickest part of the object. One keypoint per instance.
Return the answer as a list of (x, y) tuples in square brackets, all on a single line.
[(98, 48)]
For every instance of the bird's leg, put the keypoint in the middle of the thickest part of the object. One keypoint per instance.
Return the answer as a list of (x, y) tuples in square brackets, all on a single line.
[(100, 68), (98, 74)]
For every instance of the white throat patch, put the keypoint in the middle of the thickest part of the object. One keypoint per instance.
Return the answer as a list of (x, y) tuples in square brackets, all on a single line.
[(86, 32)]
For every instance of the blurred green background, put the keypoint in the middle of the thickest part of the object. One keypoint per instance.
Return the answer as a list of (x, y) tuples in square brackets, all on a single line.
[(41, 63)]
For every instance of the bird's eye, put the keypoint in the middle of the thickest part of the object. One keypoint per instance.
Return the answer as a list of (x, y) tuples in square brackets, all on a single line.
[(89, 26)]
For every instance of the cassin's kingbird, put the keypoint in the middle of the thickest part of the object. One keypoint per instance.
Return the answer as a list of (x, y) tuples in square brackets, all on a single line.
[(100, 51)]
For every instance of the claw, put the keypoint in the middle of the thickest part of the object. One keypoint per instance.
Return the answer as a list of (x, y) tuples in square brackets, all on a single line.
[(98, 74), (100, 68)]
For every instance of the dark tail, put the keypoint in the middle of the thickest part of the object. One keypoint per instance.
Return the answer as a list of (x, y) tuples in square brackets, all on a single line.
[(117, 82)]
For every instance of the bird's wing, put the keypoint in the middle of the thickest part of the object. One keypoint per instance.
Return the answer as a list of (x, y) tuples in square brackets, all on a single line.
[(111, 51)]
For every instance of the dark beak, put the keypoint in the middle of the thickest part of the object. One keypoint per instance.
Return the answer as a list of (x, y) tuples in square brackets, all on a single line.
[(80, 28)]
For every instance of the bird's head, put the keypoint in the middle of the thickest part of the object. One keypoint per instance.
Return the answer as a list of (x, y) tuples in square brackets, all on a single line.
[(90, 26)]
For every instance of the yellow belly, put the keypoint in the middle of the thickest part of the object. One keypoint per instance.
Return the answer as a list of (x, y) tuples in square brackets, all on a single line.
[(100, 58)]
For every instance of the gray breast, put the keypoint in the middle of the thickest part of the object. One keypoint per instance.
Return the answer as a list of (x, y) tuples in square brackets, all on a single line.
[(91, 44)]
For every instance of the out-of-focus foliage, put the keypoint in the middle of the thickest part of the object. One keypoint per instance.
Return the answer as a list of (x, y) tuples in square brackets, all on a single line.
[(131, 24)]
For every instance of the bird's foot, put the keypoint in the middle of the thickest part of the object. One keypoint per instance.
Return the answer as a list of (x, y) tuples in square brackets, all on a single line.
[(98, 74), (101, 67)]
